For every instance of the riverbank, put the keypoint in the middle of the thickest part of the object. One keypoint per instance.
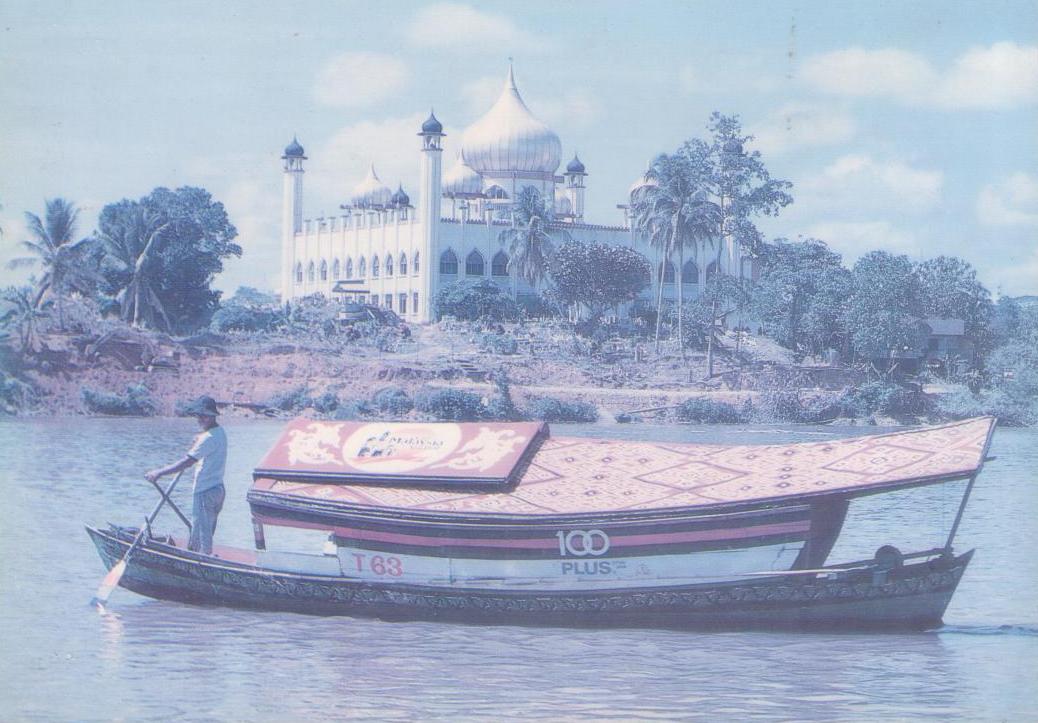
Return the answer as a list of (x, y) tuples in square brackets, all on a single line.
[(536, 366)]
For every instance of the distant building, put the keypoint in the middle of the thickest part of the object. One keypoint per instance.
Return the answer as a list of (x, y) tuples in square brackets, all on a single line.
[(406, 249), (942, 348)]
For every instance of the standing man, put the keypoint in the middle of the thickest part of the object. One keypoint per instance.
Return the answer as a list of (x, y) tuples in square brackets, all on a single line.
[(210, 449)]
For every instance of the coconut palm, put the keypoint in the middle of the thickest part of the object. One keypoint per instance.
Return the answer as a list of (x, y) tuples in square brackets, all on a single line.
[(132, 245), (25, 315), (529, 240), (674, 210), (65, 263)]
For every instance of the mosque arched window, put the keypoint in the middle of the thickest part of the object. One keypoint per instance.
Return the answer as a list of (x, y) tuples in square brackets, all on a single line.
[(711, 270), (668, 272), (336, 270), (349, 268), (474, 264), (362, 268), (324, 270), (310, 272), (414, 267), (374, 267), (690, 273), (448, 263), (389, 265), (299, 273), (499, 264), (403, 264)]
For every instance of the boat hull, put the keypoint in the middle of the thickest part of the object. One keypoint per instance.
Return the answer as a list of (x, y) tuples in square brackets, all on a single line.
[(912, 597)]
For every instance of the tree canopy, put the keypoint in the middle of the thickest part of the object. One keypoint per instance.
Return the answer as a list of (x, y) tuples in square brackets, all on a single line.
[(800, 293), (529, 240), (883, 306), (161, 254), (597, 275)]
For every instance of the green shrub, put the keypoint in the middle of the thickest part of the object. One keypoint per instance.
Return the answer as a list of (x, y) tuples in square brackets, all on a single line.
[(475, 300), (550, 409), (352, 410), (15, 394), (1012, 410), (290, 400), (454, 405), (778, 405), (238, 317), (498, 343), (881, 397), (392, 400), (325, 403), (708, 411), (501, 407), (135, 402)]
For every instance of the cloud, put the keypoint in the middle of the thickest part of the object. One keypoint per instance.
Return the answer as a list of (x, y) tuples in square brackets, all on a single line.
[(1004, 75), (358, 79), (480, 94), (860, 183), (803, 125), (340, 163), (1020, 276), (1011, 202), (869, 73), (463, 28), (855, 238), (254, 208)]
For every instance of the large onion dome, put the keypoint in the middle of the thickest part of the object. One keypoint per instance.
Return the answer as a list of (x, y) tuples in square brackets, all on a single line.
[(575, 166), (510, 139), (293, 149), (400, 199), (371, 191), (461, 181)]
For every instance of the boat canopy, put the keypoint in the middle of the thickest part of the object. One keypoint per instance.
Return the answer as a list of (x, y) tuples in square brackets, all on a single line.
[(321, 463), (402, 453)]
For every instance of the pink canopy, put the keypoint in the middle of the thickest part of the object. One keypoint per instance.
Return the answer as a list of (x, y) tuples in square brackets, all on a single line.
[(402, 452), (573, 475)]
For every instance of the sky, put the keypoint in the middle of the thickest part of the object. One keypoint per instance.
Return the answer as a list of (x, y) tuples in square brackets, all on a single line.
[(909, 127)]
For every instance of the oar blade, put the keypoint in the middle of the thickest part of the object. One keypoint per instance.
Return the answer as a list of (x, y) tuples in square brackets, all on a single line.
[(110, 582)]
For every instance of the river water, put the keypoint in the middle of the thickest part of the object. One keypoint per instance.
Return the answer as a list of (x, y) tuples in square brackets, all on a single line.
[(146, 659)]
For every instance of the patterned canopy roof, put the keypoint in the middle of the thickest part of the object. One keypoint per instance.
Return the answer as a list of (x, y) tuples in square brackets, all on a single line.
[(569, 475)]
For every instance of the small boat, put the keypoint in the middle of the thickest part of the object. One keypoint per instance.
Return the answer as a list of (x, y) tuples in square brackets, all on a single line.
[(505, 523)]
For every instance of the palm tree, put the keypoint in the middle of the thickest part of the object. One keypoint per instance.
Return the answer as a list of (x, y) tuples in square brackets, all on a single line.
[(24, 314), (132, 244), (66, 267), (529, 240), (674, 210)]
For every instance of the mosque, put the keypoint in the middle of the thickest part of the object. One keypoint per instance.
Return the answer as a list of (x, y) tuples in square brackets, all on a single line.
[(398, 252)]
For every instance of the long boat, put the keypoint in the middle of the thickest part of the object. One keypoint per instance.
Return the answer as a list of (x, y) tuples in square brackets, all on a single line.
[(506, 523)]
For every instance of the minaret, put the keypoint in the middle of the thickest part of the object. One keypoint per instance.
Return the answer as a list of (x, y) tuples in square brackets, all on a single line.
[(429, 213), (575, 175), (291, 214)]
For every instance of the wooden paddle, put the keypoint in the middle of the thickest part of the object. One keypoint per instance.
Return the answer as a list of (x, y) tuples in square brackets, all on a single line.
[(111, 580)]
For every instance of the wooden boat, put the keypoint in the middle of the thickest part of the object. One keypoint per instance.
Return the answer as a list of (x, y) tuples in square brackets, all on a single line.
[(505, 523)]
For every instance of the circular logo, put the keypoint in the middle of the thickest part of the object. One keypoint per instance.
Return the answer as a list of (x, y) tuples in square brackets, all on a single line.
[(580, 543)]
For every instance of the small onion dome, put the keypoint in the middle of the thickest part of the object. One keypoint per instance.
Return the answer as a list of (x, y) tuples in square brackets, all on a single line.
[(642, 182), (510, 139), (293, 149), (496, 193), (371, 191), (400, 199), (432, 125), (575, 166), (462, 182)]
